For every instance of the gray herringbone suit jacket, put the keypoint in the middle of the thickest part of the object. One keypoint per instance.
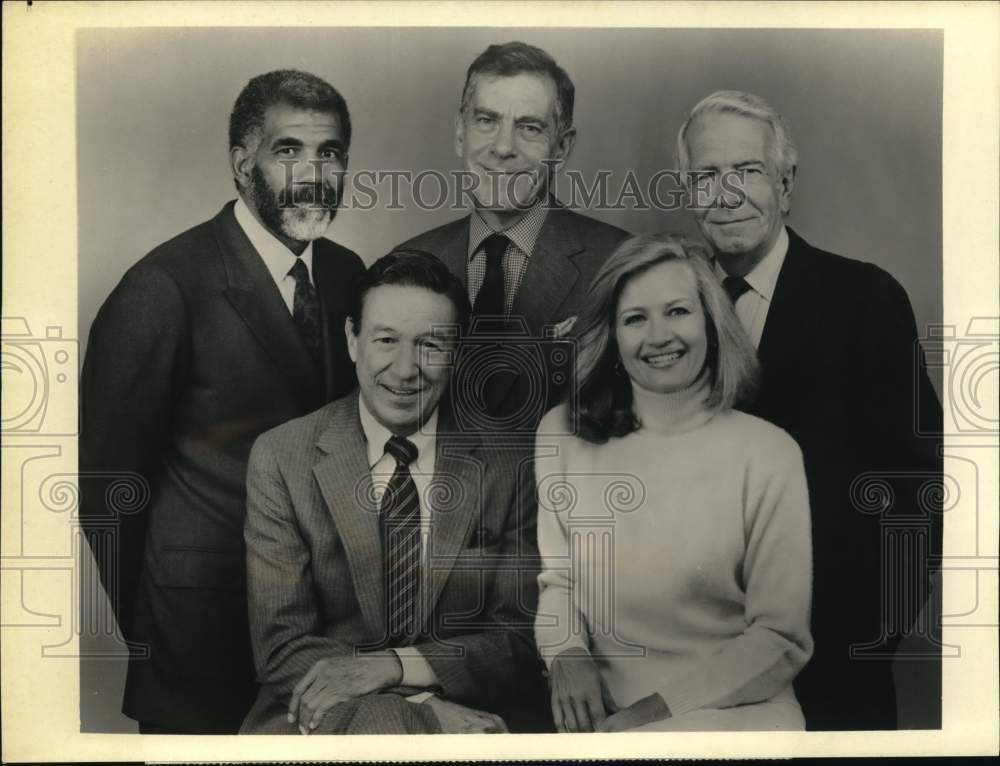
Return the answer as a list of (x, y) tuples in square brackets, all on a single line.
[(315, 564)]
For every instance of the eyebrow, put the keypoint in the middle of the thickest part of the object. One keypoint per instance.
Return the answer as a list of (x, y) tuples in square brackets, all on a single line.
[(525, 119), (283, 141), (736, 165), (288, 141), (332, 143), (438, 336), (528, 120), (668, 304)]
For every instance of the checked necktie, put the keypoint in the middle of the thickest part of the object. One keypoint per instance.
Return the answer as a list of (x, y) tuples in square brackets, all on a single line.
[(735, 287), (305, 312), (491, 296), (400, 516)]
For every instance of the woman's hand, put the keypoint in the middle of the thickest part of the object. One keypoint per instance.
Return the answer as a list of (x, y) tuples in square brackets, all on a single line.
[(640, 712), (580, 699)]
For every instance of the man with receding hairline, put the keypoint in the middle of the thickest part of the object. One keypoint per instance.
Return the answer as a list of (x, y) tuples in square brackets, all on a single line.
[(525, 260), (842, 372), (225, 331)]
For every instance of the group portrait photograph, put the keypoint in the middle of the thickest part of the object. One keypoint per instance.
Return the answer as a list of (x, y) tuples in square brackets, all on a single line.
[(517, 380)]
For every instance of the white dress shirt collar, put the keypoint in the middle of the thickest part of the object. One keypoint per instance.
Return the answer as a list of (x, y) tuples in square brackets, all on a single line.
[(278, 258), (764, 276), (523, 232), (424, 439)]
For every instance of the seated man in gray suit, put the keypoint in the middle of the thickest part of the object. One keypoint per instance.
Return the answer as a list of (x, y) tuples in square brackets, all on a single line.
[(523, 259), (391, 559)]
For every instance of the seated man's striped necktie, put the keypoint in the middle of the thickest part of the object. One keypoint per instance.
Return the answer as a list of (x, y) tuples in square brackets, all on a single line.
[(400, 517)]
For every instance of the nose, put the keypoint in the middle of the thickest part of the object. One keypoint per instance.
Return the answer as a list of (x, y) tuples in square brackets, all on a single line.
[(309, 168), (660, 331), (503, 139), (405, 364)]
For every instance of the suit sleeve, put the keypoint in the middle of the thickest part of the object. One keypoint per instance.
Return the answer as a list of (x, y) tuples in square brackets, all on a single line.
[(497, 663), (285, 620), (135, 364), (777, 576), (902, 422)]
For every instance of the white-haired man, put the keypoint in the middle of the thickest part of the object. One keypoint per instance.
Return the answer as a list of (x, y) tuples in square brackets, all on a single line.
[(838, 348)]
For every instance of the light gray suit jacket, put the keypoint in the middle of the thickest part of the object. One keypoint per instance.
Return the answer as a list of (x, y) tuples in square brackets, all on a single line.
[(315, 562)]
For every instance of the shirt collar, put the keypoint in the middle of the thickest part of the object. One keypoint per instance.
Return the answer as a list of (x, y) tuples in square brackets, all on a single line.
[(278, 258), (523, 232), (764, 276), (424, 439)]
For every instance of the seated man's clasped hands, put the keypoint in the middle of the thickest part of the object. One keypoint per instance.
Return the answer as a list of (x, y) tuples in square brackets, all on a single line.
[(390, 557)]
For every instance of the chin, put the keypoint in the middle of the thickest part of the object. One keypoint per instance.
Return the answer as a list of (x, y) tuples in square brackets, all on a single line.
[(734, 245), (305, 228)]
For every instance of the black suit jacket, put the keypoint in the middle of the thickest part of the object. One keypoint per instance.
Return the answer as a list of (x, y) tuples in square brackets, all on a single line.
[(192, 356), (568, 253), (843, 373)]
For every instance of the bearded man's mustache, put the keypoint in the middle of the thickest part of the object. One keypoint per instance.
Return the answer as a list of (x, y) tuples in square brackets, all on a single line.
[(310, 194)]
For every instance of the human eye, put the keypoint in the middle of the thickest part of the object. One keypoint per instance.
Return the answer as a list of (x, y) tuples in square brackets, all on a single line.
[(677, 311), (531, 129), (332, 154), (286, 151), (630, 320), (484, 120), (383, 340)]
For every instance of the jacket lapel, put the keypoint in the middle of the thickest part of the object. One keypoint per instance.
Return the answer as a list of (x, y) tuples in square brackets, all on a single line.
[(453, 251), (549, 278), (255, 297), (787, 326), (551, 273), (345, 481), (458, 467), (333, 292)]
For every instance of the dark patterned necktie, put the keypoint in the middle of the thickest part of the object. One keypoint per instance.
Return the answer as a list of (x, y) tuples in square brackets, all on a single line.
[(491, 297), (305, 312), (401, 541), (735, 287)]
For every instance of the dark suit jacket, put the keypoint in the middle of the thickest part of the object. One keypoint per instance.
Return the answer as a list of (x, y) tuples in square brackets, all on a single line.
[(315, 563), (568, 253), (843, 373), (193, 356)]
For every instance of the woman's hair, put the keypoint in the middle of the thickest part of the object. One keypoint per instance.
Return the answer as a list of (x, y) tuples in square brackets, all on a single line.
[(602, 407)]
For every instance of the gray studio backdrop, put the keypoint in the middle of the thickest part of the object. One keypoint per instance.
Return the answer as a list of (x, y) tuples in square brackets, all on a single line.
[(865, 107)]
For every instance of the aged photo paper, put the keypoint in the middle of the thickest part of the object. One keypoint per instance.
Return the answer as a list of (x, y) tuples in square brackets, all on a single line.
[(114, 138)]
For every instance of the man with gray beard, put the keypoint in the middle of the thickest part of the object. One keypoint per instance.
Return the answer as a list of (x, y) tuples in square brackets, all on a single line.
[(222, 333)]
